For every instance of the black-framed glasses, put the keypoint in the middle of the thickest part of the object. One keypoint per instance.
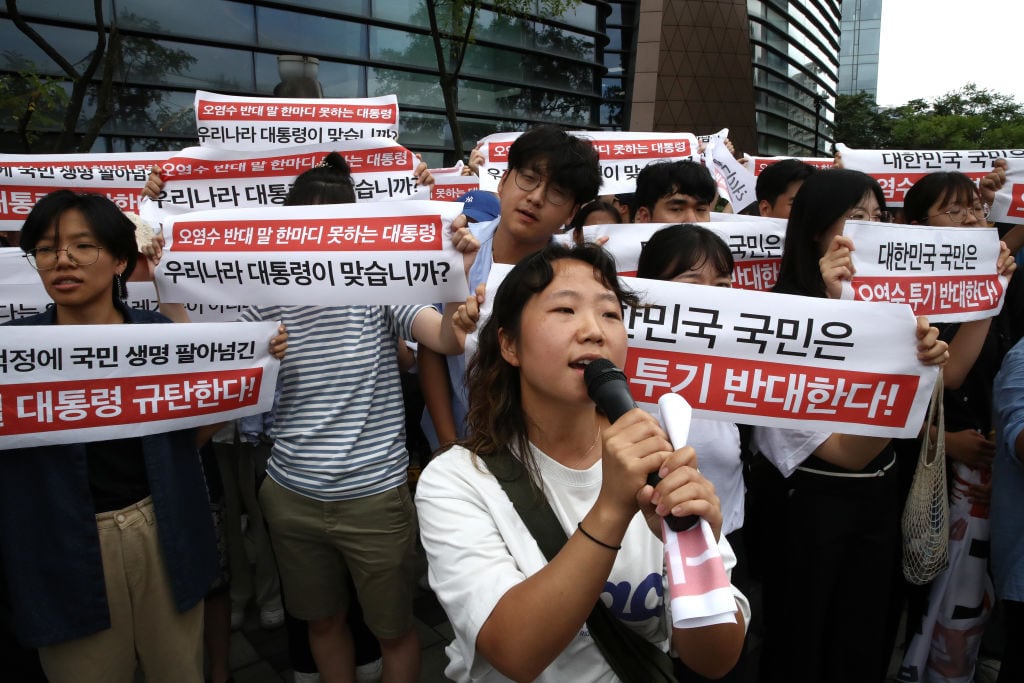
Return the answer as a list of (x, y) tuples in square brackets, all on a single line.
[(958, 214), (528, 181), (45, 258)]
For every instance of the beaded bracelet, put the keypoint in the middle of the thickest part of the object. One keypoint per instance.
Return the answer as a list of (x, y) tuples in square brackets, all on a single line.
[(579, 526)]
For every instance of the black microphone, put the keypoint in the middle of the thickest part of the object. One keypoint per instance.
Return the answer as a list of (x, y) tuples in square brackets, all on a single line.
[(608, 387)]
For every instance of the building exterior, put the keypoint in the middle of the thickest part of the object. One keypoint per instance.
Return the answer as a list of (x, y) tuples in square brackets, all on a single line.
[(858, 48), (766, 69)]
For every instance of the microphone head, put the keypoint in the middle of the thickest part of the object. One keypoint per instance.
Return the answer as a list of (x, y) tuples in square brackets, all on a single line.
[(598, 373)]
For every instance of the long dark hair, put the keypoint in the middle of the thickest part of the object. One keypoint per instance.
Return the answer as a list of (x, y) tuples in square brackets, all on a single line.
[(678, 248), (824, 198), (113, 230), (495, 419)]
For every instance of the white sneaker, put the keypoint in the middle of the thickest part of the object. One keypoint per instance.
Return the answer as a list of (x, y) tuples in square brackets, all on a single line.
[(371, 672), (299, 677), (271, 618)]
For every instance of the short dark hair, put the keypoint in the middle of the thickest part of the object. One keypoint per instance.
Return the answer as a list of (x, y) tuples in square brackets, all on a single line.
[(678, 248), (945, 186), (328, 183), (775, 179), (569, 161), (593, 207), (826, 196), (495, 417), (666, 178), (113, 230)]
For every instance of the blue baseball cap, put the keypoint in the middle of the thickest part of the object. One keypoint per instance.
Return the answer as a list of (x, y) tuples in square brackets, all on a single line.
[(480, 205)]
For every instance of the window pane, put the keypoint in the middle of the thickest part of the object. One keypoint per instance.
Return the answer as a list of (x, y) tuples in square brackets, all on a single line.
[(290, 31), (223, 21)]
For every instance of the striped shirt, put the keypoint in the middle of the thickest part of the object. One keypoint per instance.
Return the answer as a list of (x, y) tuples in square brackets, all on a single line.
[(339, 432)]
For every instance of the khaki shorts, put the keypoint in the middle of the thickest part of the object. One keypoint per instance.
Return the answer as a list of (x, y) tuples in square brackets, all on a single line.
[(318, 544)]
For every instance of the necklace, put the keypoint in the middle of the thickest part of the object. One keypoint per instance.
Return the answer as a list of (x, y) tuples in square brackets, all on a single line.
[(587, 452)]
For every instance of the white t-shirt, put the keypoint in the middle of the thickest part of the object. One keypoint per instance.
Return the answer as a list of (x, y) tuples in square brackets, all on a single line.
[(717, 445), (786, 448), (478, 548)]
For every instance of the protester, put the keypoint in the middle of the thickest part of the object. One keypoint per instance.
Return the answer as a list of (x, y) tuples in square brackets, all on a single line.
[(515, 615), (829, 582), (674, 192), (778, 184), (550, 174), (1007, 514), (108, 545), (695, 255), (339, 454)]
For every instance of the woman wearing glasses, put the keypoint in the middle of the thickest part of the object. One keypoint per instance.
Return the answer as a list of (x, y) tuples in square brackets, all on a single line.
[(107, 546), (829, 583)]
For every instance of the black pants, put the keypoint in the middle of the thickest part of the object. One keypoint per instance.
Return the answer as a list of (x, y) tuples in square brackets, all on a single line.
[(828, 588), (1011, 669)]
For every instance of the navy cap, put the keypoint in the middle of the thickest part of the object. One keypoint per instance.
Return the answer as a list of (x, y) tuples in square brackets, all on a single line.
[(480, 205)]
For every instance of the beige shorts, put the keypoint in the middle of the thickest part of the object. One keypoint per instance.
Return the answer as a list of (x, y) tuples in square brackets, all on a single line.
[(318, 544)]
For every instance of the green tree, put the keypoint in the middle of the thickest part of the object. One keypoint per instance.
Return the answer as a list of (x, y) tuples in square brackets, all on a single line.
[(968, 118), (860, 123), (100, 80)]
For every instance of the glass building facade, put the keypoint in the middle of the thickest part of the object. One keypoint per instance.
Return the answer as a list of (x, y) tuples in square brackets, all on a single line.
[(795, 51), (859, 47), (572, 69)]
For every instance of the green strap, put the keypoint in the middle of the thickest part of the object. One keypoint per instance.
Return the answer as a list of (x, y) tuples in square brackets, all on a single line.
[(632, 657)]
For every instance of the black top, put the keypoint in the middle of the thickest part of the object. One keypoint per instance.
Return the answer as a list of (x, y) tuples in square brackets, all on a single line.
[(117, 473)]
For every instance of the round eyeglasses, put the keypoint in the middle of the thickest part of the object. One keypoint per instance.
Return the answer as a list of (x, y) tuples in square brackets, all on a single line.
[(528, 181), (45, 258)]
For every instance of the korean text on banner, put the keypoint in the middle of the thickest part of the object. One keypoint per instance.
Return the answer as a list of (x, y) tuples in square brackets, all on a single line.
[(622, 155), (755, 242), (896, 170), (323, 255), (230, 122), (1008, 206), (850, 365), (25, 179), (757, 164), (199, 178), (947, 274), (74, 383)]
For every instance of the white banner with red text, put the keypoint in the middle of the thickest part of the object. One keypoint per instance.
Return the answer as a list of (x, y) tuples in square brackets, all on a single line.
[(1008, 206), (27, 178), (76, 383), (756, 246), (622, 155), (771, 359), (233, 122), (199, 178), (896, 170), (947, 274), (757, 164), (322, 255)]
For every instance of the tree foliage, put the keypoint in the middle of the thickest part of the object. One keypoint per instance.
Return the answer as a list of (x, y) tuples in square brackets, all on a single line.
[(968, 118), (67, 113)]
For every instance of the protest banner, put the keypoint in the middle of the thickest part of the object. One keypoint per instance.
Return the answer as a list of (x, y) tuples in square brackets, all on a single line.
[(842, 366), (735, 182), (27, 178), (243, 122), (947, 274), (76, 383), (756, 164), (896, 170), (321, 255), (756, 246), (200, 178), (448, 187), (22, 294), (1008, 206), (622, 155)]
